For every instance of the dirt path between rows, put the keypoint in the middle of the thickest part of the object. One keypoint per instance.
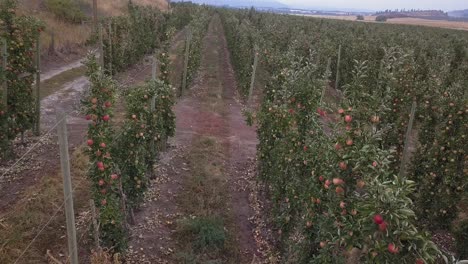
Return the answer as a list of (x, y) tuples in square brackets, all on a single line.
[(210, 128)]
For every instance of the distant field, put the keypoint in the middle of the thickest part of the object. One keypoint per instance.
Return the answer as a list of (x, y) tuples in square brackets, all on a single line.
[(407, 21)]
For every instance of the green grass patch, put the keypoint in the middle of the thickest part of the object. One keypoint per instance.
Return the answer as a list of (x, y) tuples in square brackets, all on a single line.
[(206, 233), (56, 83)]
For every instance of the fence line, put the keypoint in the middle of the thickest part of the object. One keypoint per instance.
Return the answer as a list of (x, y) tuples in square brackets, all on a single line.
[(34, 146)]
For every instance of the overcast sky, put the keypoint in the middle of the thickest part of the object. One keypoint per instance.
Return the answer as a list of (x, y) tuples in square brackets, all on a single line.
[(382, 4)]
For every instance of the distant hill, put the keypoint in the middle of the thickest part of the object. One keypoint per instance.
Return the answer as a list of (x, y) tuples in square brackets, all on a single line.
[(239, 3), (458, 13)]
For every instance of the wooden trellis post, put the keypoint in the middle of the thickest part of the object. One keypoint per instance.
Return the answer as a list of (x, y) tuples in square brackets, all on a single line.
[(337, 82), (254, 72), (95, 224), (154, 70), (67, 186), (110, 48), (404, 158), (4, 86), (325, 85), (101, 48), (37, 127), (95, 16), (4, 66), (186, 62)]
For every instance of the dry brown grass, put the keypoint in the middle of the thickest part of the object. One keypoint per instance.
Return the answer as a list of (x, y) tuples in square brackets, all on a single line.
[(68, 37), (406, 21), (118, 7), (21, 224)]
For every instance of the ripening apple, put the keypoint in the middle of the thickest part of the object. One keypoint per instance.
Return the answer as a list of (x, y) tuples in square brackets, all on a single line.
[(102, 145), (337, 146), (342, 205), (114, 176), (104, 202), (341, 111), (101, 182), (375, 119), (378, 219), (383, 226), (343, 165), (134, 116), (360, 184), (94, 100), (337, 181), (348, 119), (339, 190), (323, 244), (392, 248), (349, 142)]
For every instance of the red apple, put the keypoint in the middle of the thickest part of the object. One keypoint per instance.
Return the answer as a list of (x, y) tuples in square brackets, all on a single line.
[(106, 118), (342, 205), (102, 145), (392, 248), (383, 226), (339, 190), (114, 176), (100, 164), (321, 178), (90, 142), (88, 117), (349, 142), (107, 104), (419, 261), (341, 111), (337, 146), (337, 181), (378, 219), (348, 119), (101, 182)]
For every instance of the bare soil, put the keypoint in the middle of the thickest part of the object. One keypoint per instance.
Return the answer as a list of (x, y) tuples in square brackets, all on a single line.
[(211, 111)]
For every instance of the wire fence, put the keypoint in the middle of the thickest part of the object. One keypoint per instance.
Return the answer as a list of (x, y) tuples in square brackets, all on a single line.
[(19, 208)]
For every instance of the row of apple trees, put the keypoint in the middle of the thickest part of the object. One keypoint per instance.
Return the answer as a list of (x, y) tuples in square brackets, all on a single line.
[(122, 159), (332, 129), (18, 111)]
